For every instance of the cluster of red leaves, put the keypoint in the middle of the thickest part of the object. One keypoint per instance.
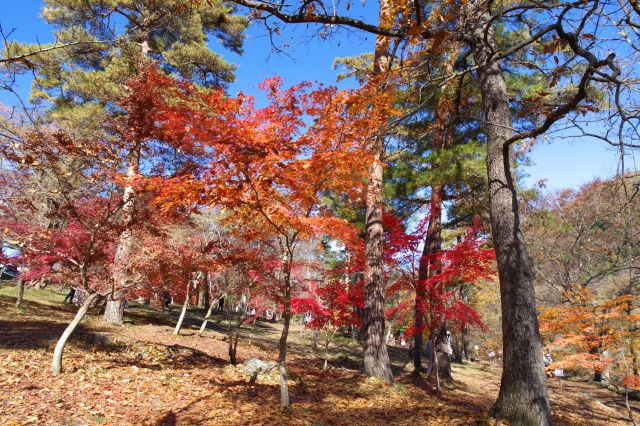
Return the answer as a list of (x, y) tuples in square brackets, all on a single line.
[(333, 304), (467, 262), (85, 240)]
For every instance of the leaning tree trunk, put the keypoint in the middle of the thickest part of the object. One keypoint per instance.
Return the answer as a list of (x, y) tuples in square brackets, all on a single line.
[(376, 357), (176, 331), (523, 389), (113, 312), (427, 267), (206, 320), (56, 363), (20, 292)]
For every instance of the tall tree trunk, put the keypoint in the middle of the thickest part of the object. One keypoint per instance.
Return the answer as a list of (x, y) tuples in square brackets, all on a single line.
[(376, 357), (176, 331), (56, 363), (20, 292), (125, 242), (282, 346), (523, 389), (441, 132), (427, 267)]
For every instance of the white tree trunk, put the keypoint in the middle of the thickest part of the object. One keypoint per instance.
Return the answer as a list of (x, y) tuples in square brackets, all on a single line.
[(284, 387), (125, 242), (206, 319), (176, 331), (113, 312), (56, 364)]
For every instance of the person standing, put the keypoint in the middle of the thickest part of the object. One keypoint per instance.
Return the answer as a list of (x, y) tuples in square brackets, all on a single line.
[(70, 295)]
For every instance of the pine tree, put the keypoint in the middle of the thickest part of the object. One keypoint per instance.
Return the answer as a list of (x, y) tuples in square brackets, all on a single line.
[(83, 82)]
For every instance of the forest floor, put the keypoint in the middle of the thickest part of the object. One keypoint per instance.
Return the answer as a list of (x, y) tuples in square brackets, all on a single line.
[(141, 374)]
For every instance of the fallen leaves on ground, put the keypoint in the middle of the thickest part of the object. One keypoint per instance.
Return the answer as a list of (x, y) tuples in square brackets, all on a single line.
[(141, 374)]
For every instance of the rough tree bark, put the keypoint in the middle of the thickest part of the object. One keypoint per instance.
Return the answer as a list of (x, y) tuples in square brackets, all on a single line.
[(176, 331), (113, 312), (56, 363), (376, 357), (523, 389)]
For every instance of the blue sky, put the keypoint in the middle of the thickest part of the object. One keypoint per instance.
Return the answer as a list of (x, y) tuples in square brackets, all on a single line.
[(562, 163)]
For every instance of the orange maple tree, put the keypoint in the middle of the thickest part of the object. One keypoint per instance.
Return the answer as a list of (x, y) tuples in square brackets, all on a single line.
[(271, 166), (592, 333)]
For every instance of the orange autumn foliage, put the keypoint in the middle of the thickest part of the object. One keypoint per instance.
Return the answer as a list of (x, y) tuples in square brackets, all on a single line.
[(594, 333)]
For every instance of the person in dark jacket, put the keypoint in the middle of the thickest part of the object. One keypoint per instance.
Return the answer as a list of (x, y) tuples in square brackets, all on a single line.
[(166, 300), (70, 295)]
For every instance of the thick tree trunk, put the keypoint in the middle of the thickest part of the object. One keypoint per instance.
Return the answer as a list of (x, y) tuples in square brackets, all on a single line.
[(443, 359), (282, 346), (176, 331), (113, 312), (56, 363), (523, 389), (125, 242), (20, 292), (376, 357)]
